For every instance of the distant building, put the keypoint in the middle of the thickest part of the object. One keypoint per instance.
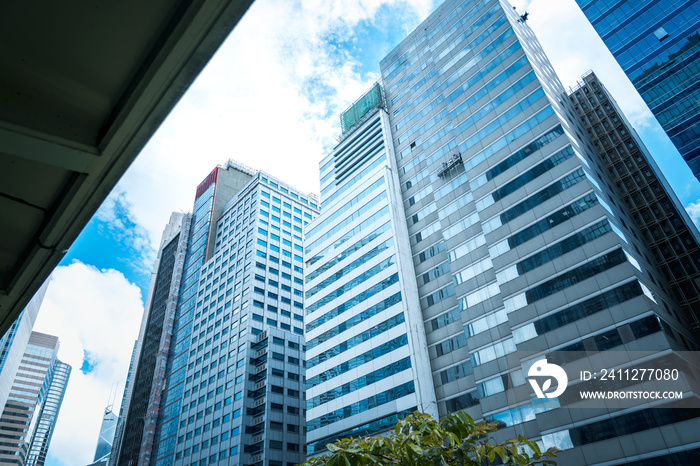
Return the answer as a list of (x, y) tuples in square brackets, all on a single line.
[(657, 44), (31, 411), (106, 438), (124, 407), (14, 342)]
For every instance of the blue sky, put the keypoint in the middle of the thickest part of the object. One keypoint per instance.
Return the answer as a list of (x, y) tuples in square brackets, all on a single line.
[(115, 241), (284, 74)]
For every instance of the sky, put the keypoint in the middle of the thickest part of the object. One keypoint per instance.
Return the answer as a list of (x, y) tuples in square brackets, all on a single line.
[(270, 98)]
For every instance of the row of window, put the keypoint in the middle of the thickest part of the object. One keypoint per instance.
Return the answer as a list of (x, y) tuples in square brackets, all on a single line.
[(354, 301), (287, 191), (471, 63), (350, 234), (353, 321), (358, 280), (360, 382), (280, 211), (508, 138), (347, 252), (331, 219), (199, 430), (536, 199), (492, 104), (559, 249), (567, 279), (369, 429), (535, 172), (579, 311), (469, 85), (356, 340), (363, 405), (518, 156), (360, 176), (402, 63), (547, 223), (357, 361)]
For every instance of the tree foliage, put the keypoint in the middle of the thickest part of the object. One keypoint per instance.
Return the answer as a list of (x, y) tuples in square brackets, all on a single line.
[(420, 440)]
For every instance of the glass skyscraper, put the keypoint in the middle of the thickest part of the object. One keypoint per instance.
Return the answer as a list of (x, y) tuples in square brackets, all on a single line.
[(469, 164), (218, 371), (14, 342), (48, 415), (657, 44), (106, 438), (30, 413)]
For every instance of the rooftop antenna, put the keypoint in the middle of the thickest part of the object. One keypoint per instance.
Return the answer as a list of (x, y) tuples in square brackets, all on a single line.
[(112, 396)]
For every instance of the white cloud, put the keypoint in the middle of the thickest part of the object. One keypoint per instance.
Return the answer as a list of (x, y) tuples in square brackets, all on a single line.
[(270, 98), (693, 210), (118, 224), (97, 311)]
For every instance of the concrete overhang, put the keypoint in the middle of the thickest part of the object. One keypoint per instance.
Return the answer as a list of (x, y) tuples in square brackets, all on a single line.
[(83, 86)]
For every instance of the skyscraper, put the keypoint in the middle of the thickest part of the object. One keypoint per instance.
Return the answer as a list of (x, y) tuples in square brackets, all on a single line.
[(48, 415), (665, 225), (32, 408), (14, 342), (106, 438), (657, 44), (363, 318), (520, 249), (219, 371)]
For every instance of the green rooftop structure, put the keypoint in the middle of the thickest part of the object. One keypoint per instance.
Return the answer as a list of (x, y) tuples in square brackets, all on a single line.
[(374, 98)]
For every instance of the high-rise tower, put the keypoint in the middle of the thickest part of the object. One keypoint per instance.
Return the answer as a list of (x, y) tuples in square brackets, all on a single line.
[(657, 44), (218, 372), (14, 342), (363, 319), (520, 248), (32, 408), (106, 438)]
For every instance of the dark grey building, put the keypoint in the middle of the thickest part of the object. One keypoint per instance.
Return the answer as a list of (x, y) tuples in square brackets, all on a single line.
[(666, 228), (657, 44)]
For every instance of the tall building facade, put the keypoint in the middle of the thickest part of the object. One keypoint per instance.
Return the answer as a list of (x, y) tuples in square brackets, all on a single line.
[(363, 318), (48, 415), (14, 342), (227, 288), (657, 44), (124, 406), (520, 251), (665, 225), (32, 408)]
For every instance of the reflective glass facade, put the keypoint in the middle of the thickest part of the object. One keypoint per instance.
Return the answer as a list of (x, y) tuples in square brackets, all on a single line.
[(365, 364), (657, 44), (31, 411), (106, 438)]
